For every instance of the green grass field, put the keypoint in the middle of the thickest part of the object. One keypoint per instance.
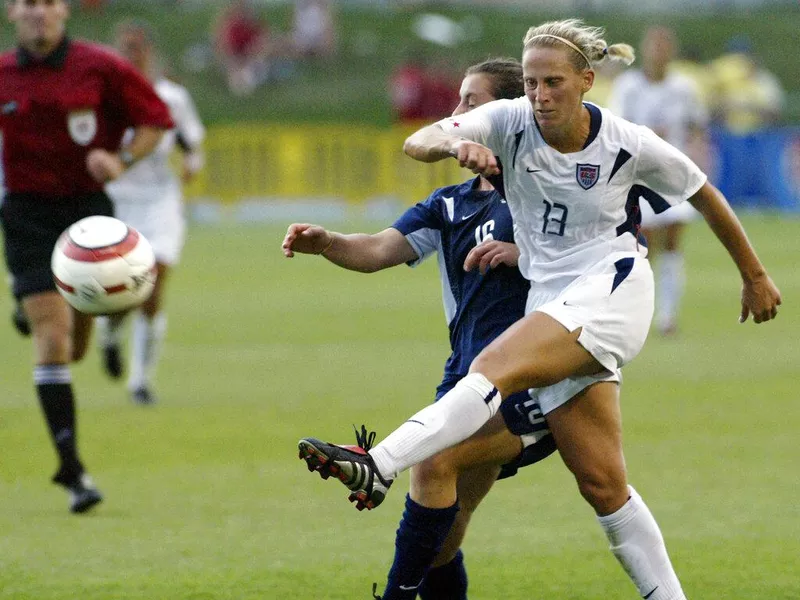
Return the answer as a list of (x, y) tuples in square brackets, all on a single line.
[(206, 499)]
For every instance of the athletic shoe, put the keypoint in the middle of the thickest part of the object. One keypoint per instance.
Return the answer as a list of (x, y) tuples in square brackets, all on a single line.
[(112, 361), (143, 395), (83, 494), (352, 465), (20, 321)]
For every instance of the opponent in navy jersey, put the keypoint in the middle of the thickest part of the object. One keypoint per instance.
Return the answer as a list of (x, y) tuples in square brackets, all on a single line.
[(573, 176), (479, 305), (451, 222)]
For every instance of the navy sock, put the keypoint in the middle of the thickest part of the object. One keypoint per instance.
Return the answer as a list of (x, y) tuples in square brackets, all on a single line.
[(448, 582), (54, 388), (419, 538)]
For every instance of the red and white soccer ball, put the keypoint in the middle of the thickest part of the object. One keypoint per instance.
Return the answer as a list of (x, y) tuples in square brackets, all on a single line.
[(102, 266)]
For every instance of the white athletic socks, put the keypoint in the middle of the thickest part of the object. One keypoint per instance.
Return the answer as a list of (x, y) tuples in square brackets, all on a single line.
[(671, 281), (637, 543), (109, 330), (456, 416), (148, 335)]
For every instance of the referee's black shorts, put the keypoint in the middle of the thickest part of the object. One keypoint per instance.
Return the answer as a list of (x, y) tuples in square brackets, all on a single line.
[(31, 227)]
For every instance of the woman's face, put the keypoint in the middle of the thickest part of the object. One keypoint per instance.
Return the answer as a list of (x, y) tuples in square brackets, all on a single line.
[(475, 90), (553, 86)]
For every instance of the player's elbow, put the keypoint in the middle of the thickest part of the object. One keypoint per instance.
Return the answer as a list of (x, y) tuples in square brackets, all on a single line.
[(417, 146)]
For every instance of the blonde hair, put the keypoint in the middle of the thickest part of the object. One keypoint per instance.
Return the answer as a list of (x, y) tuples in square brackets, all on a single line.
[(587, 42)]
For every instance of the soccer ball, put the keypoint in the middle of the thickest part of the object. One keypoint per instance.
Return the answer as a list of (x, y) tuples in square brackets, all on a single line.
[(102, 266)]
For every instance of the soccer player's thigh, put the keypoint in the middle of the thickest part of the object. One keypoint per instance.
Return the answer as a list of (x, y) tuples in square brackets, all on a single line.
[(536, 351)]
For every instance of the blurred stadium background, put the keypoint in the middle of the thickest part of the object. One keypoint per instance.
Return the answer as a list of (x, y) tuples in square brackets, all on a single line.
[(205, 496)]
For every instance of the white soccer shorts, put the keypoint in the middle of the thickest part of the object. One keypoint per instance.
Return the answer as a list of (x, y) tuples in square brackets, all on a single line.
[(612, 304), (162, 222)]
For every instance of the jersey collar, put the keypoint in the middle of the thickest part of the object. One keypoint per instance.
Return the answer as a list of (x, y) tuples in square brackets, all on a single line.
[(54, 60), (595, 120)]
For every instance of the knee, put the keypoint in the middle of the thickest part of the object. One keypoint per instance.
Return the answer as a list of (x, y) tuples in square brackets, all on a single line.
[(605, 491), (436, 469), (53, 344)]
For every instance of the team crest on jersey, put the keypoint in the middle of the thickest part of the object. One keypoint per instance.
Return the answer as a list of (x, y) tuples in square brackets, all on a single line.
[(82, 125), (587, 175)]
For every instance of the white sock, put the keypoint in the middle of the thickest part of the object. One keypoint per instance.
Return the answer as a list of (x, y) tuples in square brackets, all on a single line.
[(637, 543), (109, 330), (455, 417), (148, 335), (671, 281)]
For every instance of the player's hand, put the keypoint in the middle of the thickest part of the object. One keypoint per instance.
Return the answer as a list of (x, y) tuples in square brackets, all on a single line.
[(760, 298), (476, 157), (305, 239), (490, 255), (103, 165)]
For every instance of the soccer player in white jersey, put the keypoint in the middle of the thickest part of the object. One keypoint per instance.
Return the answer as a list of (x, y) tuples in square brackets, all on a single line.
[(669, 104), (479, 306), (573, 176), (149, 197)]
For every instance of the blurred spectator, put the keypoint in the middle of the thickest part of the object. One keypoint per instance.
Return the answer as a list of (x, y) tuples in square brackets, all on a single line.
[(420, 91), (243, 47), (691, 65), (313, 34), (747, 97), (94, 5)]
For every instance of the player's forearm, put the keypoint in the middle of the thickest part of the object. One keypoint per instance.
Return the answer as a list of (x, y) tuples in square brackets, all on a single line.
[(355, 252), (144, 141), (430, 144), (726, 226)]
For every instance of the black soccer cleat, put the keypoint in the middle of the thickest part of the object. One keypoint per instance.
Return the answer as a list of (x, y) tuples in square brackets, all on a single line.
[(20, 321), (352, 465), (143, 395), (83, 494), (112, 361)]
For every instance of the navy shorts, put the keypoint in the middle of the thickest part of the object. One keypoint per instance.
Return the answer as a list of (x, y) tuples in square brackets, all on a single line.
[(524, 418), (31, 227)]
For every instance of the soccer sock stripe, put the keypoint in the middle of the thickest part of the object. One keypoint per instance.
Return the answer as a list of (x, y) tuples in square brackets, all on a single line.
[(456, 416), (44, 374)]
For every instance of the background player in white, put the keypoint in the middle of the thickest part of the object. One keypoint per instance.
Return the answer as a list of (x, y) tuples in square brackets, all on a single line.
[(149, 198), (670, 104), (573, 175)]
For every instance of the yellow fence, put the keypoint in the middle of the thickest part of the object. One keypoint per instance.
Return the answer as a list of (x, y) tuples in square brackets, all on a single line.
[(307, 161)]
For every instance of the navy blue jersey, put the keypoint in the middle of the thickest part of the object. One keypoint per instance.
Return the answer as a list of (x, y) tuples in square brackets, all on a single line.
[(478, 308)]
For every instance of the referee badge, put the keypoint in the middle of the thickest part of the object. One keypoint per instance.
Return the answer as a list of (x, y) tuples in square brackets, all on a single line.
[(587, 175), (82, 125)]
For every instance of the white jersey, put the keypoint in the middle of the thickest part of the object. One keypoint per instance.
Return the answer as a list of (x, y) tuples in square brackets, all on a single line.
[(152, 177), (671, 107), (572, 210)]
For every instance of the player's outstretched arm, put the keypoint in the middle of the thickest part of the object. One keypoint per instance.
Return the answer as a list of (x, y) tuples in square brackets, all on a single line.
[(760, 296), (355, 251)]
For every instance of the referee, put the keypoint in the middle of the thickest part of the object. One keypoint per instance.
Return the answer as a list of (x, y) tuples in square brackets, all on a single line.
[(64, 106)]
